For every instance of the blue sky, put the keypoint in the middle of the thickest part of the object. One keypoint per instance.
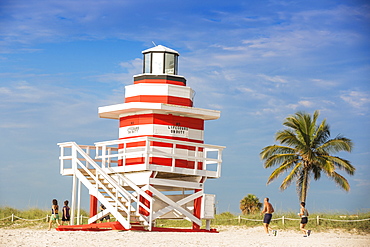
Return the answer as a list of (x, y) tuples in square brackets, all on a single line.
[(255, 61)]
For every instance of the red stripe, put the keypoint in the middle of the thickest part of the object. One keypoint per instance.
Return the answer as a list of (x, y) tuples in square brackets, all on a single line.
[(160, 81), (160, 99), (167, 137), (159, 144), (192, 123)]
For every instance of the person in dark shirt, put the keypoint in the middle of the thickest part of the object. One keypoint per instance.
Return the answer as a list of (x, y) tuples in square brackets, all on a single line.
[(66, 215)]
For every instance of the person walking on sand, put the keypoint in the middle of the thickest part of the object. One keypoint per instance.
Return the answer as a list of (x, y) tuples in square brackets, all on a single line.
[(267, 210), (54, 213), (303, 213), (66, 216)]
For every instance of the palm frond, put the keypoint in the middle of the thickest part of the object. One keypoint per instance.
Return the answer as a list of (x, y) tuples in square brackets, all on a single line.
[(341, 164), (322, 133), (289, 138), (275, 149), (291, 176), (340, 181), (336, 145), (316, 170), (281, 169), (279, 159)]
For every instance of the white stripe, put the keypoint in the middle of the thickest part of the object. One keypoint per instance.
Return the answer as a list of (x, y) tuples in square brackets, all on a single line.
[(158, 129), (159, 89), (163, 150)]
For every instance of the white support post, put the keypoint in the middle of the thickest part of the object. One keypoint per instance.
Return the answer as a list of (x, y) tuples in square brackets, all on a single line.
[(208, 225), (147, 147), (74, 182), (79, 202), (109, 153), (103, 156), (196, 160), (219, 163), (61, 159), (283, 220), (97, 151)]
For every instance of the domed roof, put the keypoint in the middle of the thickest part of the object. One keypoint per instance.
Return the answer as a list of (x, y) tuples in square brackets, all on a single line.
[(160, 48)]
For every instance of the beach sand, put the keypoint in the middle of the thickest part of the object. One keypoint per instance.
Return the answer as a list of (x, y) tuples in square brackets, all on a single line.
[(228, 236)]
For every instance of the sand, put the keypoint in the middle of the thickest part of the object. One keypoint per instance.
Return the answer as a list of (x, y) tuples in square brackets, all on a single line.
[(228, 236)]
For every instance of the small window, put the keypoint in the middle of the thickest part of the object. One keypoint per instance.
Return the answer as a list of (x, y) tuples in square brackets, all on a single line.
[(147, 62), (169, 67), (157, 63)]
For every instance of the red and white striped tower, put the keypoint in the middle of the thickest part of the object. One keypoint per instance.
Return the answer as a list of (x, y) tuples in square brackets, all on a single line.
[(159, 104)]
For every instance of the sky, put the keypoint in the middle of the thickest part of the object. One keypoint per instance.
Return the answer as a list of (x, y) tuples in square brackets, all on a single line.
[(255, 61)]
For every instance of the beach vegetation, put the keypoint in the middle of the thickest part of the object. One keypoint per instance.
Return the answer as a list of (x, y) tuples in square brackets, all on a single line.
[(250, 204), (321, 222)]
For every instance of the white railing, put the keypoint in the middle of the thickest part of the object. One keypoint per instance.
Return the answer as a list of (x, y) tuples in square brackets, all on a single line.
[(210, 156), (76, 157)]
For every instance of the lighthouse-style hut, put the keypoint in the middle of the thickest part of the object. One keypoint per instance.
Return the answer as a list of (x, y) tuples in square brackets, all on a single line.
[(158, 166)]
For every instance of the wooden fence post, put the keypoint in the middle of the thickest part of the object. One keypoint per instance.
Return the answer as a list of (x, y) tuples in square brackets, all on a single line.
[(318, 220), (239, 219), (47, 218), (283, 220), (12, 217)]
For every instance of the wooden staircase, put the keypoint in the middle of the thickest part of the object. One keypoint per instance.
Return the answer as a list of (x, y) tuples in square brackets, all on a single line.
[(123, 204)]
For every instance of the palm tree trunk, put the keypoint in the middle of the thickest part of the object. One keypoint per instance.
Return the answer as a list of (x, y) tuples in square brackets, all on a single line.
[(304, 185)]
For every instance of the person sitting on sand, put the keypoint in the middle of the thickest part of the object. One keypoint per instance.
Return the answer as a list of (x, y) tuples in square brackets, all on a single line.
[(54, 213), (267, 210), (303, 213), (107, 217), (66, 216)]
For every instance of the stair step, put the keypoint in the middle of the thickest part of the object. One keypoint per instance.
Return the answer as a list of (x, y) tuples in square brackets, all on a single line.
[(93, 171), (107, 196)]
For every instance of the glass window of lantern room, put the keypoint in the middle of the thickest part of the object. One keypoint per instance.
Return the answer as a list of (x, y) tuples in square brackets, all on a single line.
[(157, 63), (147, 62), (169, 67)]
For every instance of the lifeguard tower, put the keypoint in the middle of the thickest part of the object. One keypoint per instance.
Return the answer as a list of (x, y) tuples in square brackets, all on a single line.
[(158, 166)]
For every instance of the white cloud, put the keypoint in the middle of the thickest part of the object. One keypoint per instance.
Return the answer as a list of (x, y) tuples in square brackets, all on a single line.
[(357, 99), (362, 182), (276, 78), (253, 93), (324, 83)]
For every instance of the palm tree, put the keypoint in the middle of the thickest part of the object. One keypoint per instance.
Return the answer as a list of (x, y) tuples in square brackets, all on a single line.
[(306, 151), (250, 204)]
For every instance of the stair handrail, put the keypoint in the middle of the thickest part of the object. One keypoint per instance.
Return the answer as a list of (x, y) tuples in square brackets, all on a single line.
[(110, 179), (99, 171)]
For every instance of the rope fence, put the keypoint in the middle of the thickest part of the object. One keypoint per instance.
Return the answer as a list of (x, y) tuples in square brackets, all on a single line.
[(283, 219), (46, 218), (239, 218)]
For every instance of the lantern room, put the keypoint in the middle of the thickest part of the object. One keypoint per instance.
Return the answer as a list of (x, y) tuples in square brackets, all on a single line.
[(160, 60)]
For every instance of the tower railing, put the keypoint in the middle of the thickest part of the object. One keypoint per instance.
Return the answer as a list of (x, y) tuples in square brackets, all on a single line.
[(207, 158)]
